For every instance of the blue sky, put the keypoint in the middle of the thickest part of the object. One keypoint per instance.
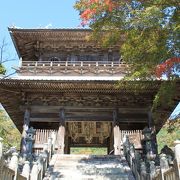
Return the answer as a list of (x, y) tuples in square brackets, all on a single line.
[(34, 14)]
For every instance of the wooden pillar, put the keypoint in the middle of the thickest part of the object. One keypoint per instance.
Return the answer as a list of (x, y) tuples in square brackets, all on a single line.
[(117, 140), (117, 134), (25, 128), (150, 121), (61, 132), (67, 147)]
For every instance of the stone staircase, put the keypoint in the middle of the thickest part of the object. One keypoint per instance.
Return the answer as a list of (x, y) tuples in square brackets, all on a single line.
[(88, 167)]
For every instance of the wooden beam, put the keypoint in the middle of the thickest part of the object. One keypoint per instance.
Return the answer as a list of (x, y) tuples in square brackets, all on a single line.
[(44, 119), (139, 120), (88, 145), (55, 109), (95, 118)]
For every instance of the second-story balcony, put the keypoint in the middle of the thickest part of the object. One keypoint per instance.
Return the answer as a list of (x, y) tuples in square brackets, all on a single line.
[(75, 68)]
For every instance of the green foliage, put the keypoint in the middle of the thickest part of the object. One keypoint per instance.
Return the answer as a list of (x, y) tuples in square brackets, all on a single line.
[(148, 32), (168, 134), (89, 150), (2, 69), (8, 131), (164, 97)]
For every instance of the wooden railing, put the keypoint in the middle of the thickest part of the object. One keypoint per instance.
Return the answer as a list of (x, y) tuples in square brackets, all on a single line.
[(74, 68), (135, 137), (41, 137), (73, 63)]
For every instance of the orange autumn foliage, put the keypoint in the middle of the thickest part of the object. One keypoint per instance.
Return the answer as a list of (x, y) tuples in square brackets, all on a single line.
[(93, 7), (166, 66)]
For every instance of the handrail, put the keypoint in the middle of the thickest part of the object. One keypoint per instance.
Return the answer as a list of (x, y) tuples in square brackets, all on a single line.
[(72, 63), (74, 67)]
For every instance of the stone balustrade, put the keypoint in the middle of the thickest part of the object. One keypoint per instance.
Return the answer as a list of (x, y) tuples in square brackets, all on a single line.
[(146, 166), (151, 166), (26, 166)]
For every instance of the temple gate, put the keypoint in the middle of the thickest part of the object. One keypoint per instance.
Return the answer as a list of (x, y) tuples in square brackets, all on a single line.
[(69, 86)]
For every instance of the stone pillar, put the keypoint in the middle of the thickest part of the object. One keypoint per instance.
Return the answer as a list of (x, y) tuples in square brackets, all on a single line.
[(177, 156), (25, 129), (34, 171), (61, 132), (177, 150), (14, 163), (26, 169), (117, 134)]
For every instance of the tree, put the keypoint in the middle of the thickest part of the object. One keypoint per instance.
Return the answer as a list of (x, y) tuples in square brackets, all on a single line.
[(8, 131), (147, 30), (3, 56), (169, 133)]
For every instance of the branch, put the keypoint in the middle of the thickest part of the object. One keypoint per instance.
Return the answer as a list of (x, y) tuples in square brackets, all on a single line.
[(3, 49), (7, 60)]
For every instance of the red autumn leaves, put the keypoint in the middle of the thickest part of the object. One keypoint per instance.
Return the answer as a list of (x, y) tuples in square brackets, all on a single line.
[(93, 7), (166, 66)]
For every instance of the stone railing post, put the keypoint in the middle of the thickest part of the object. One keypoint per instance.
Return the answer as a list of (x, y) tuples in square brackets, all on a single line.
[(177, 156), (34, 171), (132, 150), (177, 150), (14, 163), (152, 169), (45, 155), (26, 170), (164, 164), (126, 145), (143, 171), (50, 146), (41, 166)]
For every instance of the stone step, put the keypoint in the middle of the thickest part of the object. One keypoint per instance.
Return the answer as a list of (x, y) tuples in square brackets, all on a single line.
[(87, 167), (76, 176)]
